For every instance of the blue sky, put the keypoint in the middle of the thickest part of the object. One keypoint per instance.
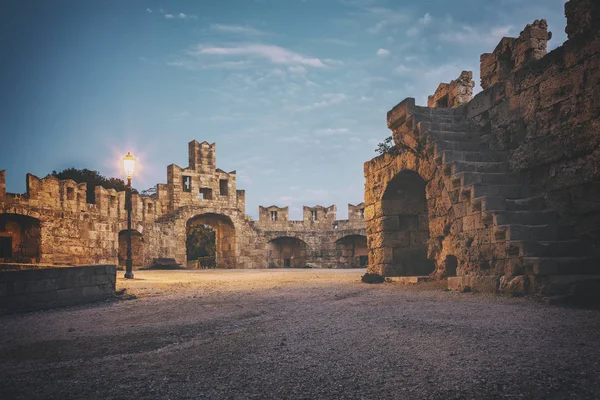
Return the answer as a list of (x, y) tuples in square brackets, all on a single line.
[(294, 92)]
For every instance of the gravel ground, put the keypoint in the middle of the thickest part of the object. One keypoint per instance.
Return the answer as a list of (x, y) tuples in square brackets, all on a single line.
[(299, 334)]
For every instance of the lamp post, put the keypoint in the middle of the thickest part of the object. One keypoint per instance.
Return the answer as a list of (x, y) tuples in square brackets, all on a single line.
[(128, 167)]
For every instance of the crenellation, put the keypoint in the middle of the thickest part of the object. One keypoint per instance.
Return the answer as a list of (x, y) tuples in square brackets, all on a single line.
[(512, 54), (453, 94), (2, 183), (70, 231)]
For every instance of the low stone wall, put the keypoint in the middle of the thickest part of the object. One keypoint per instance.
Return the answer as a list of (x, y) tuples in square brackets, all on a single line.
[(40, 288)]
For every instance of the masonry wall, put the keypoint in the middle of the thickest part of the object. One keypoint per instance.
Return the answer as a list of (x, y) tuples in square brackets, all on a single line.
[(510, 179), (545, 113), (39, 288), (60, 228), (319, 239)]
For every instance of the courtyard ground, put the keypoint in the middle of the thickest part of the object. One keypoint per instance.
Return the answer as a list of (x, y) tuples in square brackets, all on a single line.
[(299, 334)]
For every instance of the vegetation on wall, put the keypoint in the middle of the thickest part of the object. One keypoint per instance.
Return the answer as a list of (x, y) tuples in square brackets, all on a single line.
[(93, 179)]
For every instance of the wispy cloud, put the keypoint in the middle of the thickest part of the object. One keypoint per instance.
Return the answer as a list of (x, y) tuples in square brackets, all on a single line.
[(149, 11), (180, 16), (386, 17), (274, 54), (471, 35), (426, 19), (383, 52), (331, 131), (339, 42), (236, 29), (326, 100)]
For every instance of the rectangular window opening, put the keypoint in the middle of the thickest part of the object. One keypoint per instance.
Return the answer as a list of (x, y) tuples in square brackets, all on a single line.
[(187, 183), (149, 207), (287, 262), (70, 193), (224, 187), (113, 201), (5, 247), (205, 194), (273, 215), (313, 215), (362, 213)]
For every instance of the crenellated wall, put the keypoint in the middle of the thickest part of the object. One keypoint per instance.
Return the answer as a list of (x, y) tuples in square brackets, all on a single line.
[(52, 223)]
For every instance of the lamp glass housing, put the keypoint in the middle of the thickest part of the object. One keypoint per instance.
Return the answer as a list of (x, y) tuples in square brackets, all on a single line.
[(129, 165)]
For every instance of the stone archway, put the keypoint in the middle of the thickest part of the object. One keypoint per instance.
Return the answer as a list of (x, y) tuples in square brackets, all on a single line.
[(286, 252), (20, 239), (352, 251), (405, 226), (224, 232), (137, 249)]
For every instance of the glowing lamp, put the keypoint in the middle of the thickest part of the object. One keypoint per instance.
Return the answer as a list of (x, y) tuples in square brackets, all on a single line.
[(129, 165)]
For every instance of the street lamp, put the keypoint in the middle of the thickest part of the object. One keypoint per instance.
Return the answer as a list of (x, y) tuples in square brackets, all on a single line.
[(128, 167)]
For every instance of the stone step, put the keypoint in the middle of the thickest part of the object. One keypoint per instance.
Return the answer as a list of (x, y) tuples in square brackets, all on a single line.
[(514, 232), (477, 156), (506, 191), (533, 218), (441, 125), (481, 166), (486, 178), (443, 145), (530, 203), (454, 136), (561, 265), (488, 203), (563, 248)]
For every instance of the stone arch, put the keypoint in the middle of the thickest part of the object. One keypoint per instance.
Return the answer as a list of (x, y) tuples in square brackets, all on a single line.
[(137, 248), (405, 226), (20, 238), (225, 243), (351, 251), (286, 252)]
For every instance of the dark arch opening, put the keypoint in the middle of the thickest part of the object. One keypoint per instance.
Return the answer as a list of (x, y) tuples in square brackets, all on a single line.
[(286, 252), (20, 239), (137, 249), (405, 226), (208, 234), (451, 265), (352, 251)]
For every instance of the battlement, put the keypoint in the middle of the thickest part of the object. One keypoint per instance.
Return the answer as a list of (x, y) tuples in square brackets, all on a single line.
[(314, 218), (69, 196), (201, 183), (202, 156), (512, 53), (455, 93)]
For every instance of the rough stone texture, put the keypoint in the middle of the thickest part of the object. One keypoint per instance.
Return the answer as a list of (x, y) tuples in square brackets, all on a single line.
[(318, 240), (510, 180), (513, 53), (53, 224), (455, 93), (33, 288)]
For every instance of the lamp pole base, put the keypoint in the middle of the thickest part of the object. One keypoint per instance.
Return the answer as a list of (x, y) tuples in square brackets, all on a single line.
[(128, 275)]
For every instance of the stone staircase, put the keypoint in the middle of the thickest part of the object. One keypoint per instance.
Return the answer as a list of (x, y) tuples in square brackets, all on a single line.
[(516, 210)]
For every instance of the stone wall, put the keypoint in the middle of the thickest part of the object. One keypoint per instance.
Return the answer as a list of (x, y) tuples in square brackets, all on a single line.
[(33, 288), (455, 93), (545, 114), (52, 223), (503, 192), (319, 240)]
